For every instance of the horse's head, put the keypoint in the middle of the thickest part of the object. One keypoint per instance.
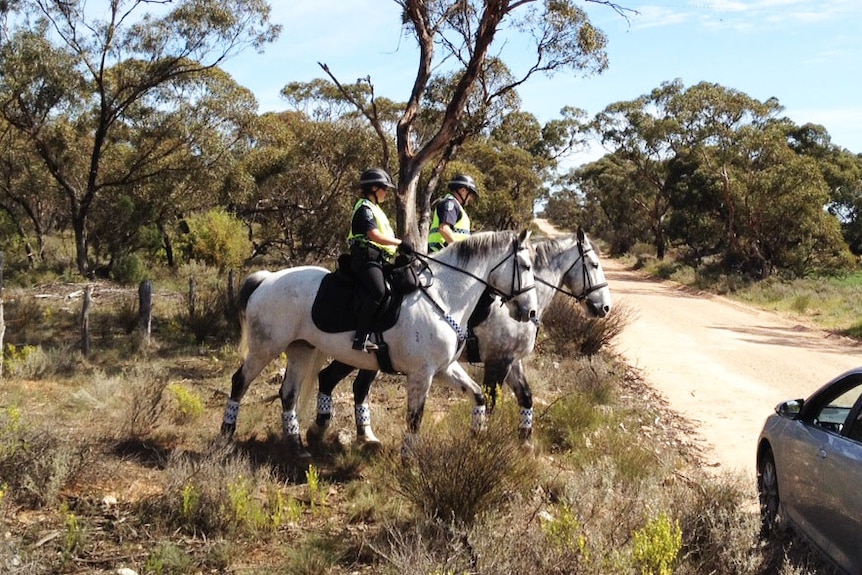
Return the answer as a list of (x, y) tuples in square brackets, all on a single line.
[(586, 279), (513, 280)]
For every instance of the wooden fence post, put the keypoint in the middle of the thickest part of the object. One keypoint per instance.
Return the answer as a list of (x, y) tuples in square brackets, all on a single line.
[(145, 305), (2, 320), (85, 321)]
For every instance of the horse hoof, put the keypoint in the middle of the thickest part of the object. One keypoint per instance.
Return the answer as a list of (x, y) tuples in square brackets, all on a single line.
[(228, 429), (296, 449), (315, 434), (368, 444)]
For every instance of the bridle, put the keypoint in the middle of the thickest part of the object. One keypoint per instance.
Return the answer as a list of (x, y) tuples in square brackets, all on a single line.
[(514, 291), (587, 282)]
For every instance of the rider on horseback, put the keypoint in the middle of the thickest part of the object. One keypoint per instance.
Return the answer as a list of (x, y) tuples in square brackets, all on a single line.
[(451, 222), (372, 243)]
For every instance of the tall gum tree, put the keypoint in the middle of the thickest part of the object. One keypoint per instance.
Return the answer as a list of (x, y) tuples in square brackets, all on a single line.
[(467, 33), (96, 71)]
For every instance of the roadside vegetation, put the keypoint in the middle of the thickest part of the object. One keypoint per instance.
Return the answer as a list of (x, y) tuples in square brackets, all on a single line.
[(832, 302), (114, 461)]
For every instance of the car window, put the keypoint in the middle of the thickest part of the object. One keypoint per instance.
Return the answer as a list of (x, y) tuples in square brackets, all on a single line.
[(832, 416)]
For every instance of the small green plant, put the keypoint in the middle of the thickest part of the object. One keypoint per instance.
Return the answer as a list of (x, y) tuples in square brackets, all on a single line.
[(315, 490), (167, 559), (27, 361), (74, 536), (564, 531), (246, 511), (191, 501), (657, 546), (189, 405), (10, 429)]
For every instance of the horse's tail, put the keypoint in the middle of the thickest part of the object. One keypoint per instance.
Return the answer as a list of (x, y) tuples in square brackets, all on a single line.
[(251, 283)]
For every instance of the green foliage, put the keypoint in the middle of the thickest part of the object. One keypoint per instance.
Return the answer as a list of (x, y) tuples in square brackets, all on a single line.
[(657, 545), (74, 536), (189, 404), (218, 239), (565, 532), (169, 559), (129, 270), (35, 464), (316, 493)]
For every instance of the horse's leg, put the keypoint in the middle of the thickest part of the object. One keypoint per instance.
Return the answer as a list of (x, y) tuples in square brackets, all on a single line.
[(418, 386), (495, 372), (327, 379), (455, 376), (365, 437), (517, 380), (301, 359), (240, 382)]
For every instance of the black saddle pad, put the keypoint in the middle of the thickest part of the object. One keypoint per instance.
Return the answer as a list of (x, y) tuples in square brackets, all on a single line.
[(337, 301)]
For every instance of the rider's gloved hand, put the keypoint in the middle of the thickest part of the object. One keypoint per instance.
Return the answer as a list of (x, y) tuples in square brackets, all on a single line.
[(406, 248)]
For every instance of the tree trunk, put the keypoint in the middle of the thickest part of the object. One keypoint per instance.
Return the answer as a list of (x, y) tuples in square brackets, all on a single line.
[(85, 321)]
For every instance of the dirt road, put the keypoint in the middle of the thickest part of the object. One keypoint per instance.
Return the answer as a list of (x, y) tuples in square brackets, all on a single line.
[(722, 365)]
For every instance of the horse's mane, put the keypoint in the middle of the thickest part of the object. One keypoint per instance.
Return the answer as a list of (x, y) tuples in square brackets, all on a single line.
[(480, 244), (546, 248)]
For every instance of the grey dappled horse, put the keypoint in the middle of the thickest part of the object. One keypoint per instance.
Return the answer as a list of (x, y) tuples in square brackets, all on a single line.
[(568, 265), (275, 316)]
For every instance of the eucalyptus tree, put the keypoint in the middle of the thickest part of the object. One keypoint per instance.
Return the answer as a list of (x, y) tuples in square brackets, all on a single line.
[(645, 134), (842, 171), (296, 183), (95, 93), (470, 36), (29, 196)]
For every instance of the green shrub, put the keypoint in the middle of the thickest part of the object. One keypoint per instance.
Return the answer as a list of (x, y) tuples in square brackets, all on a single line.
[(129, 270), (657, 545), (189, 405), (218, 239)]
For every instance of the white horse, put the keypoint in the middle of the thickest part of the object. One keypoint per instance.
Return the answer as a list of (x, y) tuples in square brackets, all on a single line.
[(568, 265), (275, 316)]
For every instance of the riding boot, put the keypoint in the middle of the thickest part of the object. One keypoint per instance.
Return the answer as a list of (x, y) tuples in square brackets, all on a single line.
[(364, 321)]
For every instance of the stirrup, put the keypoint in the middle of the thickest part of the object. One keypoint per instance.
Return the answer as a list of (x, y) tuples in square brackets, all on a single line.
[(365, 345)]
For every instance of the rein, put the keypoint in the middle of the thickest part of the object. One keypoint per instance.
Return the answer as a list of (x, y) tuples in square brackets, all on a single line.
[(516, 274), (460, 331), (588, 289)]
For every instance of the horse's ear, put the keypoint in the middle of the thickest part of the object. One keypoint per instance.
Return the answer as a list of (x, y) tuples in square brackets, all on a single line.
[(524, 236)]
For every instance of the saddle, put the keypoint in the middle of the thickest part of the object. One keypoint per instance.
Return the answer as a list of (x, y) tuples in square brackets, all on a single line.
[(340, 295)]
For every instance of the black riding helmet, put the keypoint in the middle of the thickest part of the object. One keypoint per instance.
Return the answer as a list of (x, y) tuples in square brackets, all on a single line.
[(374, 177), (463, 181)]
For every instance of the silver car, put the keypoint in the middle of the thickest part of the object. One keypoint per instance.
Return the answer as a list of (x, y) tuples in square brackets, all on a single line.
[(809, 469)]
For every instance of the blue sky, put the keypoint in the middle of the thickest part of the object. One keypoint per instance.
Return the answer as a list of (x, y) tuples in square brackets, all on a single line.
[(806, 53)]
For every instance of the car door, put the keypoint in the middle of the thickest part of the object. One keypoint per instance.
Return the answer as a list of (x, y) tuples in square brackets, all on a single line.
[(838, 474), (842, 473)]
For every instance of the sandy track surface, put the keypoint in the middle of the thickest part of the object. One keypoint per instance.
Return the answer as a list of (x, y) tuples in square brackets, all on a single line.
[(722, 365)]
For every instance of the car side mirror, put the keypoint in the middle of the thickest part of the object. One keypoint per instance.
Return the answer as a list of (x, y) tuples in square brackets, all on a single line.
[(790, 408)]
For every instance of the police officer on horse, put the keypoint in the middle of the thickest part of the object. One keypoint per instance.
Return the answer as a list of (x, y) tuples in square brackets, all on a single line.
[(451, 222)]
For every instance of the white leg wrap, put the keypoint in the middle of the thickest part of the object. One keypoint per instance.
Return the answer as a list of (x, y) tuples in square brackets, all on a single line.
[(525, 417), (290, 423), (324, 404), (363, 415), (231, 411), (478, 421)]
